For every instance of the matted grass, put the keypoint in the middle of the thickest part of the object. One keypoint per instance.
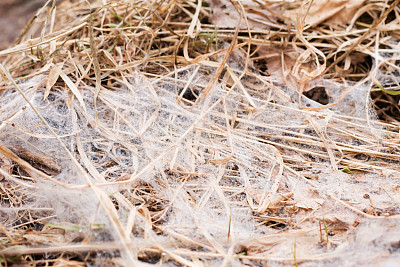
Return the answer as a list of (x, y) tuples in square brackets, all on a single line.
[(190, 133)]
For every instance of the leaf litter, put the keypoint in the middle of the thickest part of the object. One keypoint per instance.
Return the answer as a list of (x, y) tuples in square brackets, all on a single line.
[(199, 133)]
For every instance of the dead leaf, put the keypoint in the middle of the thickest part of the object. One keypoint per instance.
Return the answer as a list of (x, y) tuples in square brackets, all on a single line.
[(222, 161), (110, 58), (66, 263), (347, 13), (5, 165), (265, 15), (338, 12), (274, 202), (344, 219), (73, 89), (54, 73), (259, 16), (43, 163), (41, 238), (280, 65), (224, 14), (310, 203)]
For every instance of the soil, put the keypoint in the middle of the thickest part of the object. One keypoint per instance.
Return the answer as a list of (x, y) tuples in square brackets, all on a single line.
[(14, 15)]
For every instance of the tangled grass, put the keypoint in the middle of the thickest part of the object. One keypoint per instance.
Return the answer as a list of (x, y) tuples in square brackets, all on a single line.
[(136, 133)]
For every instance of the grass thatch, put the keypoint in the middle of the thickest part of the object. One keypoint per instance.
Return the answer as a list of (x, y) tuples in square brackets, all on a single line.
[(201, 133)]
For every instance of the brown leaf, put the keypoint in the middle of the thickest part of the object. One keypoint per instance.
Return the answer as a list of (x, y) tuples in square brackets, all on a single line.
[(67, 263), (55, 72), (224, 14), (347, 13), (5, 165), (280, 64), (45, 164), (70, 84), (222, 161), (275, 202), (310, 203), (338, 12), (259, 16)]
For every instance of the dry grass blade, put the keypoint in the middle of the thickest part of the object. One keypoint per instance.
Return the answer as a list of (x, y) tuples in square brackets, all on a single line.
[(374, 25), (201, 133)]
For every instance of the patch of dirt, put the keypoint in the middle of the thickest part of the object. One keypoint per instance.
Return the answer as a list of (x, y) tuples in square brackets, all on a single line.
[(14, 15)]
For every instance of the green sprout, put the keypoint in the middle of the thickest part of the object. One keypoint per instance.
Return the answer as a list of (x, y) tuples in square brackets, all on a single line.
[(237, 256), (212, 37), (346, 170), (81, 45), (229, 226), (118, 17), (389, 92), (326, 230), (63, 227), (10, 258)]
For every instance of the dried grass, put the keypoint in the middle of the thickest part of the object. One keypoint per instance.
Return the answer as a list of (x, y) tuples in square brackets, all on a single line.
[(138, 133)]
